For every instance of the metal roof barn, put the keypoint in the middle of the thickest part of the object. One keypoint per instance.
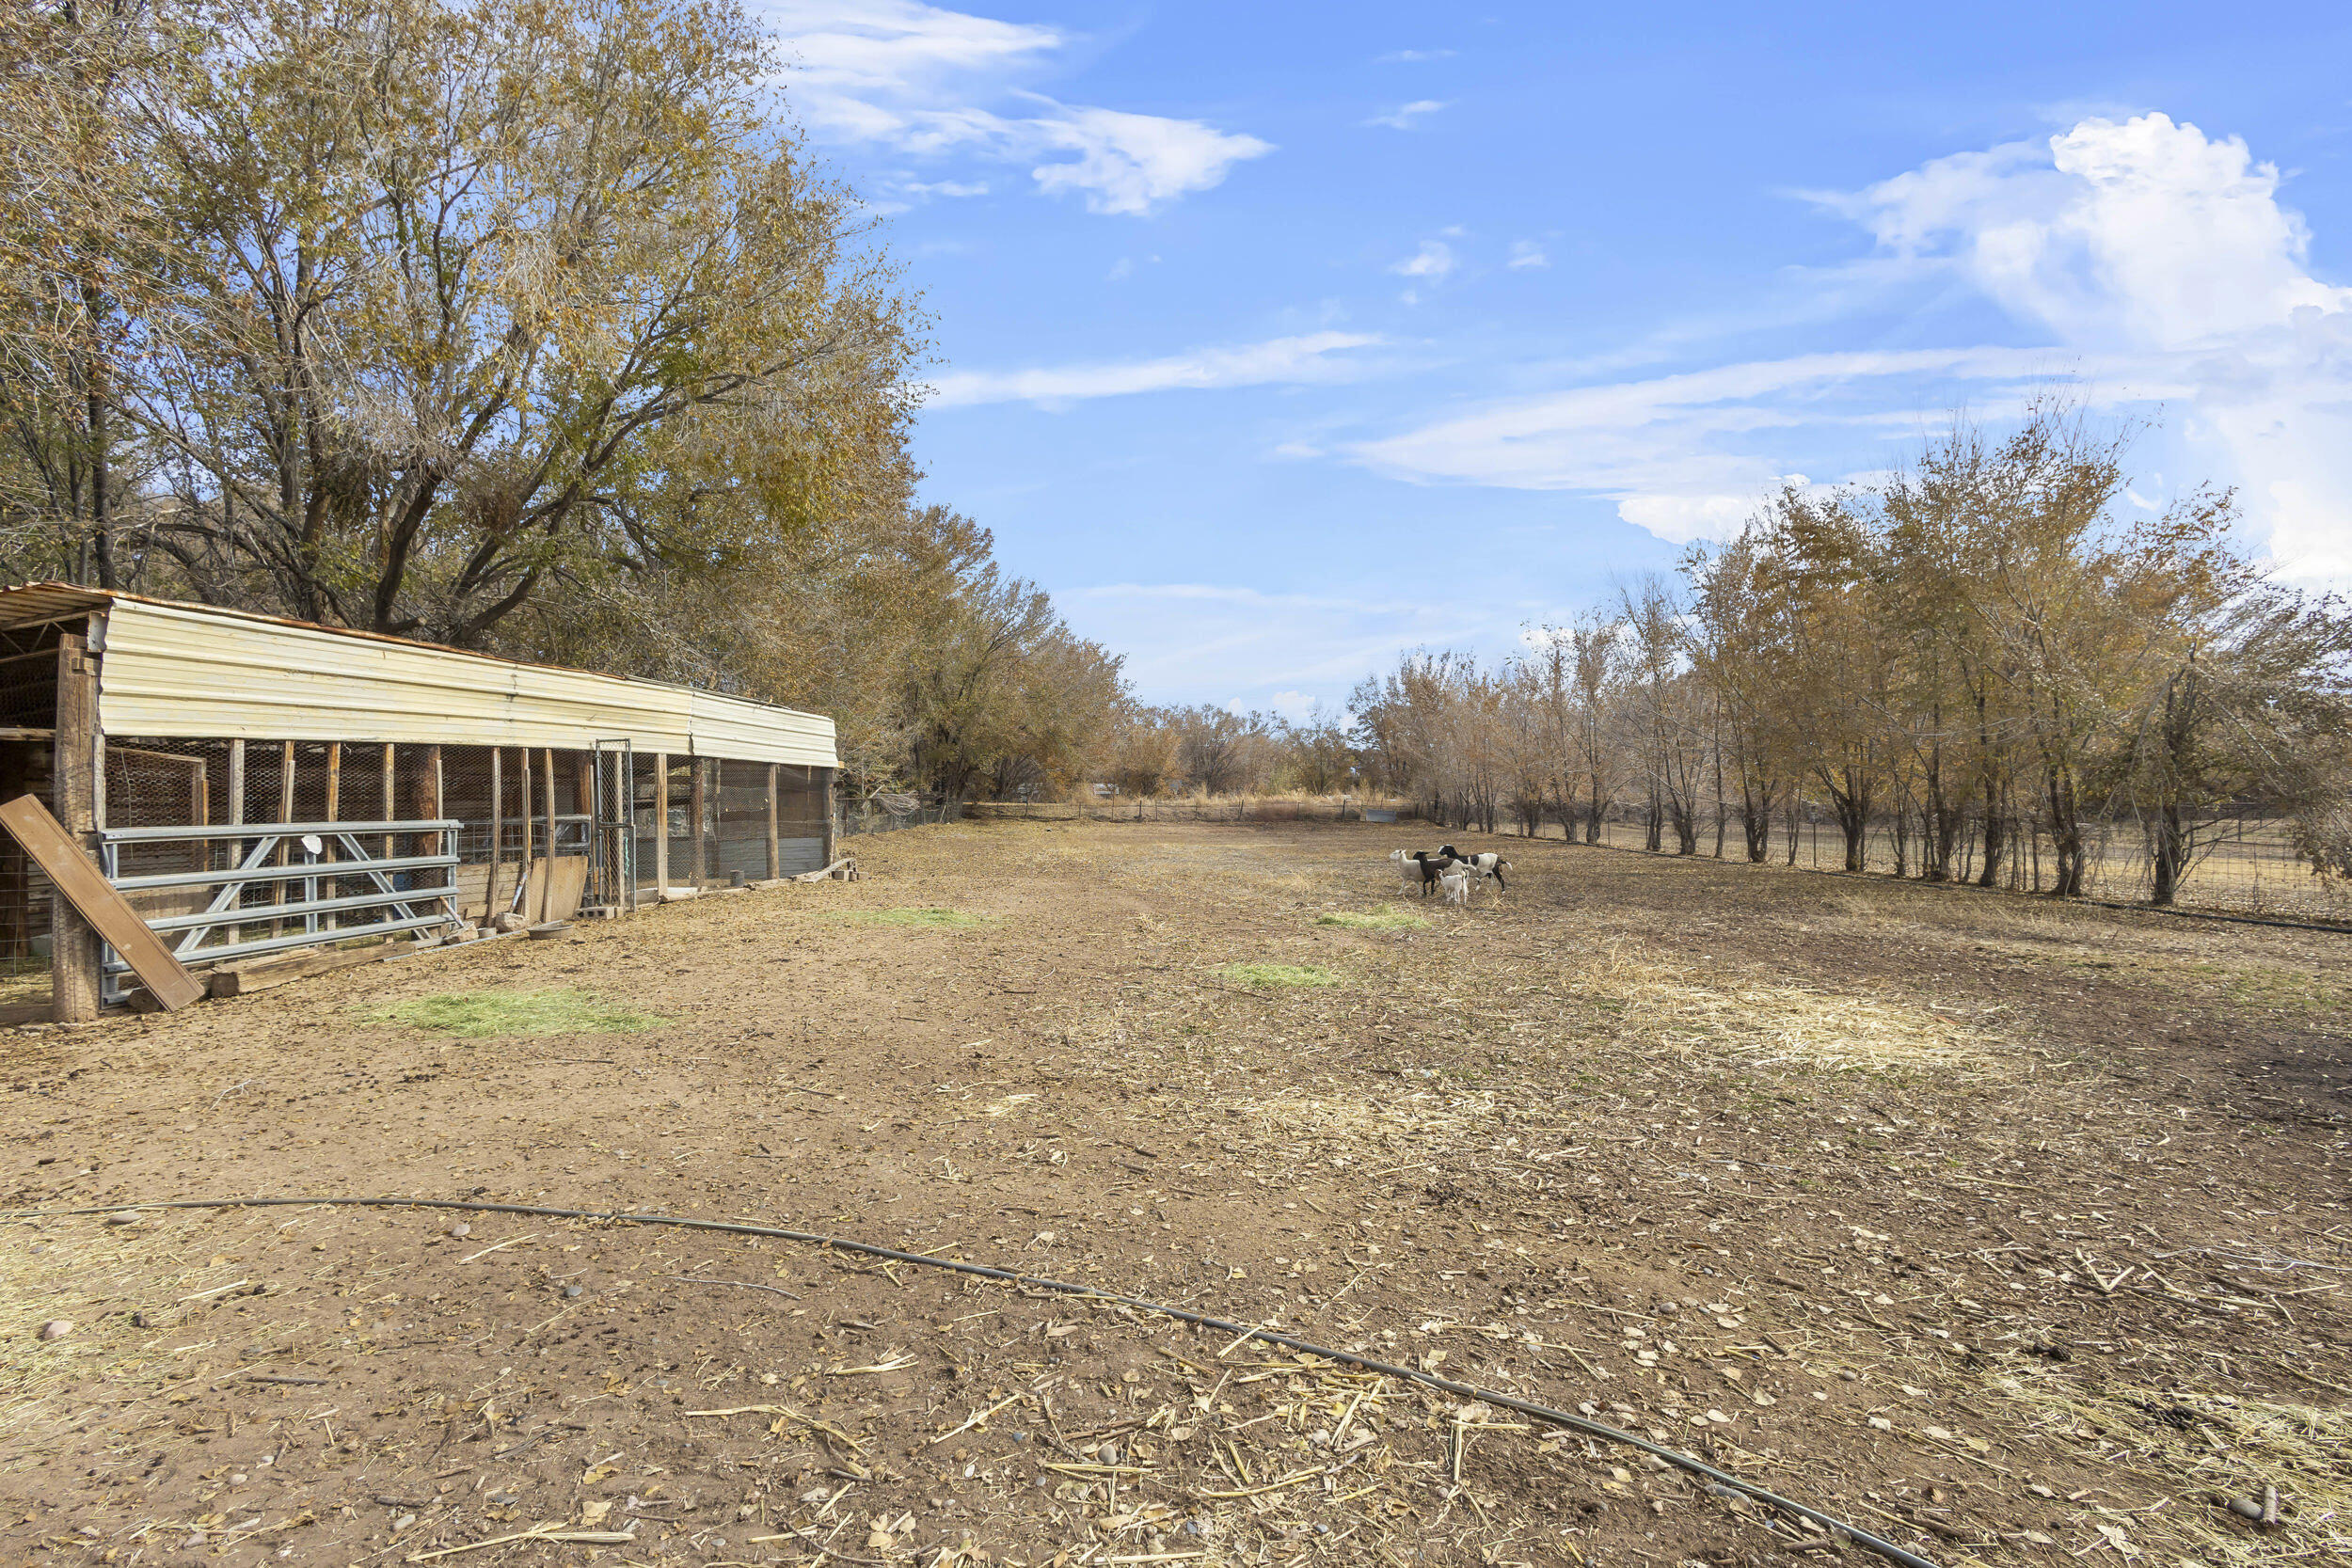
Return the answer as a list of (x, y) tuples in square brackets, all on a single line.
[(172, 669), (266, 796)]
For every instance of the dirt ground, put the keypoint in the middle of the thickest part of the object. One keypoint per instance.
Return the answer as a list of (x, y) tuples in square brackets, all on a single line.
[(2016, 1233)]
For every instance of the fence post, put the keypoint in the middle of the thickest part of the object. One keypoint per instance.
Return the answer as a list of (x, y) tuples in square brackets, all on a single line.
[(74, 978), (698, 799), (827, 850), (775, 850), (661, 826)]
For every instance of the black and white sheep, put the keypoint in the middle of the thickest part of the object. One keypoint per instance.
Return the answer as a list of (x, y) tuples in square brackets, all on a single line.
[(1487, 864)]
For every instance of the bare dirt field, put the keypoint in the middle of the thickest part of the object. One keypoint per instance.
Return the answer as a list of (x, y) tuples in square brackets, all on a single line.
[(2014, 1232)]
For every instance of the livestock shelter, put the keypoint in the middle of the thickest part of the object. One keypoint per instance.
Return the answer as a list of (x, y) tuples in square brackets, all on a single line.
[(253, 784)]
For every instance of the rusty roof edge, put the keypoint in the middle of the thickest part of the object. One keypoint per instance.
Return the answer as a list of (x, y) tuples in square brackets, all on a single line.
[(96, 598)]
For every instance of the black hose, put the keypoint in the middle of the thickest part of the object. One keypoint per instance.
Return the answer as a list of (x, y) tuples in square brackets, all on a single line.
[(1543, 1413)]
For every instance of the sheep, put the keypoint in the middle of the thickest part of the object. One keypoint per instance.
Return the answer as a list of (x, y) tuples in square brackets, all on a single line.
[(1489, 865), (1457, 882), (1419, 868)]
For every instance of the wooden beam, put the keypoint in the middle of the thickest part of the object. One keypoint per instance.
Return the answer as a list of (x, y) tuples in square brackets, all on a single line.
[(660, 826), (776, 850), (546, 792), (522, 777), (236, 817), (392, 807), (285, 814), (74, 974), (497, 831), (700, 800), (827, 851), (334, 814), (78, 882)]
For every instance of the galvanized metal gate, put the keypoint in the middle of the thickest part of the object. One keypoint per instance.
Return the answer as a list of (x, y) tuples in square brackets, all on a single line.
[(294, 861)]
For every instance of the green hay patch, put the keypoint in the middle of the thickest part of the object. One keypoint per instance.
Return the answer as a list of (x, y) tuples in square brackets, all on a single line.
[(1385, 918), (931, 919), (482, 1014), (1280, 974)]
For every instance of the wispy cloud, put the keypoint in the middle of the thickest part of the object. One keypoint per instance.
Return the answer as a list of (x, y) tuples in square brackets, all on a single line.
[(1412, 56), (2156, 263), (1311, 357), (922, 80), (1406, 116), (1527, 253), (1433, 260), (1683, 454)]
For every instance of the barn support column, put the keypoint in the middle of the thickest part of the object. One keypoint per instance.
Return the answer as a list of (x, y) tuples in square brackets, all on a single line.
[(660, 826), (700, 800), (827, 857), (74, 946), (546, 794), (776, 850)]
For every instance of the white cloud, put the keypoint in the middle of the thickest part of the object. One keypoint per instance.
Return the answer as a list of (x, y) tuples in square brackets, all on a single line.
[(1413, 56), (1406, 116), (1128, 163), (1527, 253), (2156, 265), (951, 189), (1677, 450), (2150, 238), (919, 79), (1432, 261), (1307, 357)]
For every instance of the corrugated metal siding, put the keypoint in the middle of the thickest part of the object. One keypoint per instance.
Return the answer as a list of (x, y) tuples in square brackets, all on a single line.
[(171, 670)]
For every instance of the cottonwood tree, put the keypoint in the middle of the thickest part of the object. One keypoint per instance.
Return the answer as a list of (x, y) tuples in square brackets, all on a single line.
[(453, 300)]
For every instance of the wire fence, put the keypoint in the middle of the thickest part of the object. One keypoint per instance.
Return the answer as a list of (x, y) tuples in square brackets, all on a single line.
[(2248, 865)]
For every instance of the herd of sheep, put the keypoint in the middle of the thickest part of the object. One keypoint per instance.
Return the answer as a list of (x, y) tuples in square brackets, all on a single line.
[(1449, 871)]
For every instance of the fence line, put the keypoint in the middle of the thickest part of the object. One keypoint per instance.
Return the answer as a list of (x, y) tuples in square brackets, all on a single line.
[(2251, 868)]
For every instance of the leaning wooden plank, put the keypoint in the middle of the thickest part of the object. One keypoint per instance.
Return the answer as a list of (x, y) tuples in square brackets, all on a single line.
[(106, 911), (845, 868)]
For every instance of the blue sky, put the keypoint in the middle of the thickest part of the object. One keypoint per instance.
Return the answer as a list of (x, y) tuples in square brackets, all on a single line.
[(1275, 340)]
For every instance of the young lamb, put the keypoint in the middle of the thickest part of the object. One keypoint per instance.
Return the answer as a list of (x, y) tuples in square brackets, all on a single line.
[(1457, 882)]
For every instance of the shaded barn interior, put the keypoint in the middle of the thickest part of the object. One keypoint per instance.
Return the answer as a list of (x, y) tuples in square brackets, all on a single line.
[(253, 784)]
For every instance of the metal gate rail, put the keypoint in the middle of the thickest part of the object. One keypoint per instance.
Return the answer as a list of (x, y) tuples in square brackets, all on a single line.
[(251, 846)]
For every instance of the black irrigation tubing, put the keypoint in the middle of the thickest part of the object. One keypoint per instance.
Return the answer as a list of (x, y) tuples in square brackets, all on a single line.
[(1718, 1478), (2172, 911)]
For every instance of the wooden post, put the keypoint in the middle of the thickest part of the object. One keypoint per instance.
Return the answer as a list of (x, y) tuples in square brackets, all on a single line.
[(334, 814), (827, 853), (74, 978), (776, 850), (522, 868), (391, 803), (497, 834), (443, 841), (547, 792), (694, 811), (236, 816), (285, 814), (585, 804), (660, 826)]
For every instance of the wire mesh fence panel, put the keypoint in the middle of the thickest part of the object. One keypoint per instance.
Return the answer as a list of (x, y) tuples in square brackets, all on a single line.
[(2244, 865)]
